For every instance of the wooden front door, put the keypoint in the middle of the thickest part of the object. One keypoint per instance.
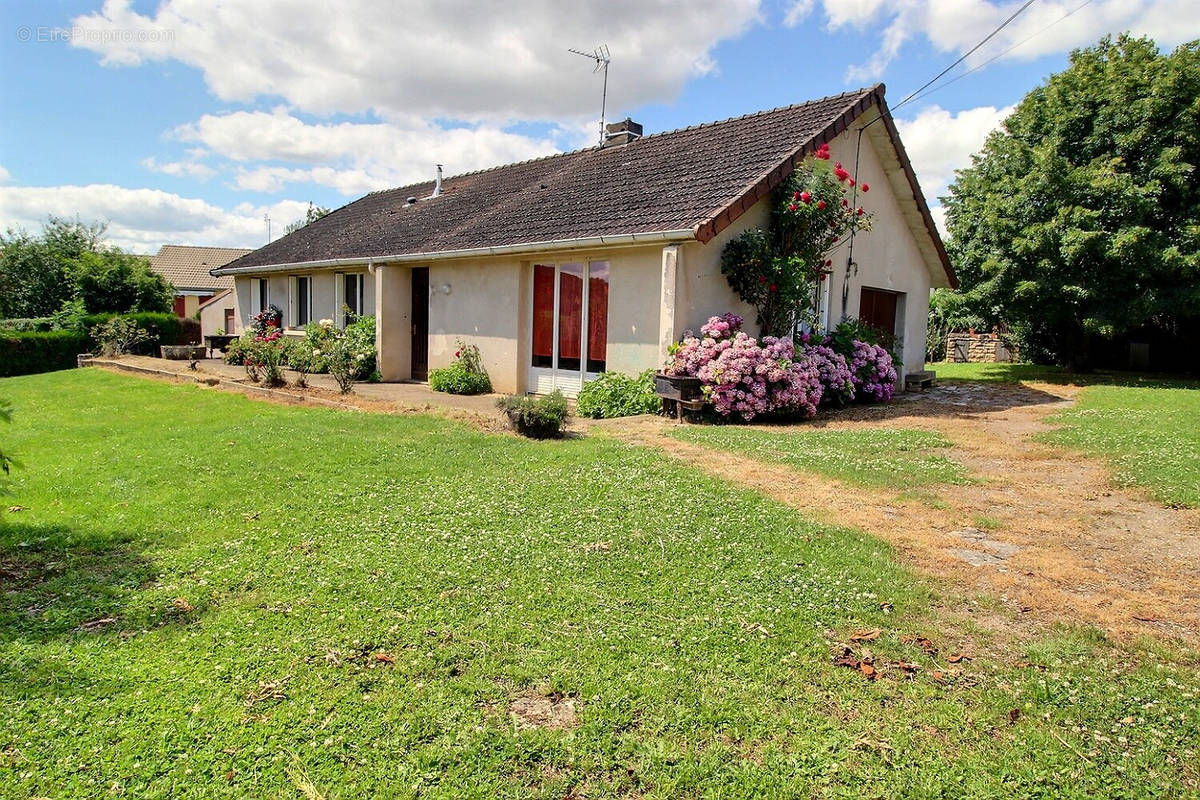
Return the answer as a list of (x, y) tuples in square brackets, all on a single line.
[(420, 323), (877, 309)]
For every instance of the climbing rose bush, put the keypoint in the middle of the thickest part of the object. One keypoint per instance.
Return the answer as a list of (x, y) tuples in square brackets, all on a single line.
[(874, 374)]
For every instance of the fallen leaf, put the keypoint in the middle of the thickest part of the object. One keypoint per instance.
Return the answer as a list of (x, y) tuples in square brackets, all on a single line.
[(229, 776), (15, 509), (384, 658), (937, 676), (921, 642), (869, 671), (866, 636), (958, 658), (905, 666), (1147, 619), (182, 604), (1013, 716), (847, 659)]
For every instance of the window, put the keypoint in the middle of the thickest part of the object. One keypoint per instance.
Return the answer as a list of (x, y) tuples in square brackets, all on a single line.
[(303, 299), (259, 295), (353, 295), (877, 309), (570, 316)]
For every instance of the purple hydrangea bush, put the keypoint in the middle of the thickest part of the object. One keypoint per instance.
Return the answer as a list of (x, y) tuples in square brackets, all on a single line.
[(874, 374), (837, 382)]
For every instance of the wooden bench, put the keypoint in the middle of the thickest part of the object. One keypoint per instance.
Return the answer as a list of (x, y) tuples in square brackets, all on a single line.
[(925, 379)]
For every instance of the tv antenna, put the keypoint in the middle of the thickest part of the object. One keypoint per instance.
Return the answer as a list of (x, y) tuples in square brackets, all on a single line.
[(600, 56)]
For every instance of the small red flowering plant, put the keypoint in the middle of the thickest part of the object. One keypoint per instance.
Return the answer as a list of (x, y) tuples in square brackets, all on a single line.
[(778, 271)]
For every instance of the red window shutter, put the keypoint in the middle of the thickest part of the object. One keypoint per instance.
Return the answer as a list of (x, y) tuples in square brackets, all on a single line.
[(543, 314)]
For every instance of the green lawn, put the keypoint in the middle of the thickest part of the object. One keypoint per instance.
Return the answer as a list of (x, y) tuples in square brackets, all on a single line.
[(197, 590), (891, 458), (1147, 427)]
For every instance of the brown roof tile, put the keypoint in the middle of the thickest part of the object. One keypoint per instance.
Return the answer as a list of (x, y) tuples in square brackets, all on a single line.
[(189, 267), (697, 179)]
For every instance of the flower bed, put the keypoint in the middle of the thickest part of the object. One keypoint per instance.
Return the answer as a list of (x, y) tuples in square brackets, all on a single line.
[(744, 378)]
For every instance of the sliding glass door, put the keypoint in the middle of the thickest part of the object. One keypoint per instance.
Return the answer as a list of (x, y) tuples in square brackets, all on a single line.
[(570, 325)]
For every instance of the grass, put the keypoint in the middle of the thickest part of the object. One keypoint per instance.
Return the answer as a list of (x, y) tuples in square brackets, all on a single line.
[(1145, 426), (1151, 437), (877, 457), (199, 589)]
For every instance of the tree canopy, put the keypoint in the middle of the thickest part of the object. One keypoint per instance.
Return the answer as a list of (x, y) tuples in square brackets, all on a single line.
[(69, 262), (1080, 217)]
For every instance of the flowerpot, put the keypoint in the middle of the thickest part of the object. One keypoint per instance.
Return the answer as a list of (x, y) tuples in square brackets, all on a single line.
[(677, 387), (181, 352)]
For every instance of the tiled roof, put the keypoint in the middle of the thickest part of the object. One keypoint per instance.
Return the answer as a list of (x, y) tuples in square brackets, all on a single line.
[(696, 179), (188, 267)]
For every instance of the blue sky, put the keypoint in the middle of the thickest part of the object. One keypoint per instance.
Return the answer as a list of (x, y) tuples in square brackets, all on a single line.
[(186, 121)]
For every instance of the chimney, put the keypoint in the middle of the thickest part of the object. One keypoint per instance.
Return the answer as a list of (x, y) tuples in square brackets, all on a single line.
[(622, 132), (437, 187)]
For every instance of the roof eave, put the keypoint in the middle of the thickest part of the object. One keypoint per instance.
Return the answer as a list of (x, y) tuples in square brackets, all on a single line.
[(625, 239)]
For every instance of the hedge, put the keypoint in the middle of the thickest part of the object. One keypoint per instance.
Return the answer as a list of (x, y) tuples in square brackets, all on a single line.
[(28, 352)]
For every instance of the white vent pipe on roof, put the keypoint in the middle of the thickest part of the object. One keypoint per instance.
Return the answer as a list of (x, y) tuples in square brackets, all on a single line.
[(437, 186)]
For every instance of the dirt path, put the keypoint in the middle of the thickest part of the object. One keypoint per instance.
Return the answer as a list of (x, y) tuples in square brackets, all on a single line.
[(1070, 546)]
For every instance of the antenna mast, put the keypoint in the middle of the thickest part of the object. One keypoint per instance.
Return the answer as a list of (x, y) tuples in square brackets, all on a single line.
[(600, 56)]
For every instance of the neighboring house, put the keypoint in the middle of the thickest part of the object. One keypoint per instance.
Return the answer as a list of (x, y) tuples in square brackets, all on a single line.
[(188, 269), (563, 267)]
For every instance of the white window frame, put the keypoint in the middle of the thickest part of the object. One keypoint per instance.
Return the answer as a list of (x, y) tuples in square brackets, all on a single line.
[(340, 303), (260, 296), (543, 380), (294, 297)]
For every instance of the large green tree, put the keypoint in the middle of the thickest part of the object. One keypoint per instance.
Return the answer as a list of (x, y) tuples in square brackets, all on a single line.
[(1080, 218), (69, 261)]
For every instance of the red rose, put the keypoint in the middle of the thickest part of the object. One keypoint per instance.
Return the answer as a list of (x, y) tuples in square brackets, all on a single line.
[(762, 278), (805, 196), (845, 202), (791, 207), (795, 195), (852, 183), (860, 211), (829, 262), (865, 188), (774, 288), (821, 204), (840, 173), (837, 165), (823, 276)]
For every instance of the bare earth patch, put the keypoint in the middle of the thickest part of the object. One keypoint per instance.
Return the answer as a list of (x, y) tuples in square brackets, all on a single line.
[(534, 710), (1068, 546)]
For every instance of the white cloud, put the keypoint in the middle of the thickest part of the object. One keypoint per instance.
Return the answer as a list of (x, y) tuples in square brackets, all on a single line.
[(797, 11), (445, 60), (180, 169), (939, 141), (955, 26), (351, 157), (4, 176), (142, 219)]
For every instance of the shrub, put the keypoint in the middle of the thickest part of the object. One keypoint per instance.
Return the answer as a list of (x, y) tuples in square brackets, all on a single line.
[(744, 378), (29, 352), (119, 336), (360, 338), (837, 383), (874, 373), (616, 395), (465, 375), (263, 321), (162, 329), (235, 353), (301, 358), (318, 338), (538, 418), (26, 324), (343, 364), (263, 358)]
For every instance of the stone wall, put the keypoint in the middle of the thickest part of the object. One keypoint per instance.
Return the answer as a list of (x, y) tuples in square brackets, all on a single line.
[(988, 348)]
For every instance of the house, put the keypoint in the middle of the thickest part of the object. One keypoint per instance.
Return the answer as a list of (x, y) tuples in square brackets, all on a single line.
[(563, 267), (188, 269)]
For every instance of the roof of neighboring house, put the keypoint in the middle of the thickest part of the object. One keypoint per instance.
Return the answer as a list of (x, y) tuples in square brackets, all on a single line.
[(691, 182), (189, 268), (218, 296)]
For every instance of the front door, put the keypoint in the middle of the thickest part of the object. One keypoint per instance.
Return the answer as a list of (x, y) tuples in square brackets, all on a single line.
[(570, 325), (877, 309), (420, 323)]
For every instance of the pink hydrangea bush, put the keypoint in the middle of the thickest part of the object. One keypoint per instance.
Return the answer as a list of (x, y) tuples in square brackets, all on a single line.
[(744, 378), (837, 382), (874, 374)]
